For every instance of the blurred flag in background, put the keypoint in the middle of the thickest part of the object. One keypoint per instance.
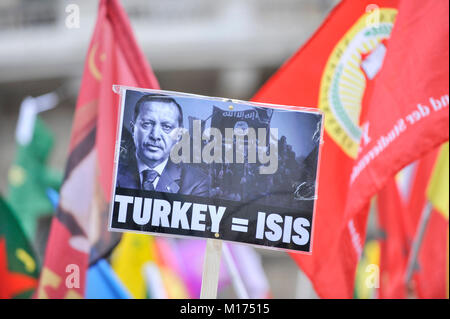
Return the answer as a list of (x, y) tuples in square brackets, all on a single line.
[(170, 266), (328, 72), (362, 71), (19, 268), (79, 232), (367, 279), (103, 283), (128, 260), (394, 244), (30, 178), (431, 275), (438, 188)]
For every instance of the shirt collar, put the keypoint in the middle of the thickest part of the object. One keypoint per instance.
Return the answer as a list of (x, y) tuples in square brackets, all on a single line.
[(158, 168)]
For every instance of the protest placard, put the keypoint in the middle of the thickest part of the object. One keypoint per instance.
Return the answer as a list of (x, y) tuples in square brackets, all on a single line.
[(190, 165)]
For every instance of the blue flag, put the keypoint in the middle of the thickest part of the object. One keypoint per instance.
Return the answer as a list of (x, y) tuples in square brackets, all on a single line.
[(103, 283)]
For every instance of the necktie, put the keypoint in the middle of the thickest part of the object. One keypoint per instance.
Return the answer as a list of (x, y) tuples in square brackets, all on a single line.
[(148, 177)]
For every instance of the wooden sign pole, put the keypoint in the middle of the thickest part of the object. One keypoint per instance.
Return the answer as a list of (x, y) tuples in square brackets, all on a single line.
[(211, 267)]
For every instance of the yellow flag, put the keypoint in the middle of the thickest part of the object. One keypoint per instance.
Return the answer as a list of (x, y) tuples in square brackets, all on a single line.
[(438, 187), (128, 259), (367, 274)]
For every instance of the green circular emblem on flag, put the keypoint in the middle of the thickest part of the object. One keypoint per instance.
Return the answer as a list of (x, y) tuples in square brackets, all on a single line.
[(355, 60)]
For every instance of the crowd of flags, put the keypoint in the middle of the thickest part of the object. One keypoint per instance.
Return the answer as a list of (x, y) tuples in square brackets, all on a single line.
[(413, 70), (407, 258)]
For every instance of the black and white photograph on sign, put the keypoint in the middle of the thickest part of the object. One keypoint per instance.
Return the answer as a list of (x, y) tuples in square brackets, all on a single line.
[(215, 168)]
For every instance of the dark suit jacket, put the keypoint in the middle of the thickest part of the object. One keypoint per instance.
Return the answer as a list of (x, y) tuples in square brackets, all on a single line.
[(175, 178)]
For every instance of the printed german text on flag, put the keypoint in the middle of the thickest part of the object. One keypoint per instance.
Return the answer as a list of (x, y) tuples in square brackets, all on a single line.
[(384, 90)]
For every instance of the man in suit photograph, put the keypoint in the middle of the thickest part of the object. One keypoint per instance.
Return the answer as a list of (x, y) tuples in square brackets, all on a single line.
[(155, 129)]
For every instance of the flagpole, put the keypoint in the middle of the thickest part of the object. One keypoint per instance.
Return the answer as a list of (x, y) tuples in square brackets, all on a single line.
[(211, 267), (412, 259), (238, 284)]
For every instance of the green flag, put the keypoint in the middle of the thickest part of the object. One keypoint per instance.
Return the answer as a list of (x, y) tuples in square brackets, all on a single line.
[(18, 267), (30, 179)]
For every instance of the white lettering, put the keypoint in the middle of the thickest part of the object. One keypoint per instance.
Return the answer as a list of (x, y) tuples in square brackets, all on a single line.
[(302, 236), (179, 215), (142, 218), (216, 217), (161, 211), (198, 217), (272, 224), (123, 206)]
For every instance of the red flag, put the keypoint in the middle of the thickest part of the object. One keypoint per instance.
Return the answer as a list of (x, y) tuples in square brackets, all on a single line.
[(407, 115), (431, 272), (79, 229), (431, 275), (417, 197), (395, 247), (399, 227), (332, 72)]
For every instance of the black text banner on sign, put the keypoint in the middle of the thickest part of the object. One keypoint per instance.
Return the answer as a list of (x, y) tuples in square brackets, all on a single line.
[(189, 165), (176, 214)]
